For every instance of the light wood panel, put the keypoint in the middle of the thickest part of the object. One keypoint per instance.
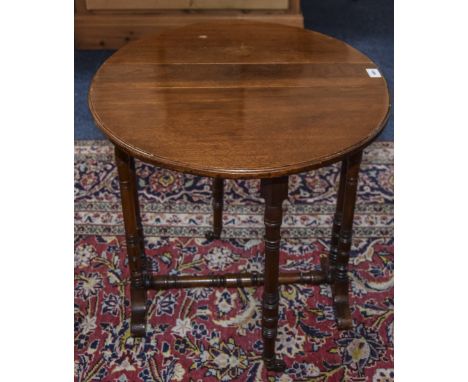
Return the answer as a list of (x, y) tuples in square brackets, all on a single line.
[(114, 31), (110, 24), (185, 4)]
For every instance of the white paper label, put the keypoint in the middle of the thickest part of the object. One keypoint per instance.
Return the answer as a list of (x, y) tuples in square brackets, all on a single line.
[(373, 73)]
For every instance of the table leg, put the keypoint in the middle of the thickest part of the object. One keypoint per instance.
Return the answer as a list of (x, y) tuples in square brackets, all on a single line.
[(274, 191), (333, 256), (218, 195), (340, 281), (134, 239)]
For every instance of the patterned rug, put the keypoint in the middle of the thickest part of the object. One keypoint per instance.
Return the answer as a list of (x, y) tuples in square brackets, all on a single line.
[(213, 334)]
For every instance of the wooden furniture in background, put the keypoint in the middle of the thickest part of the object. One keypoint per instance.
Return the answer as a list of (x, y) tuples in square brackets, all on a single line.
[(240, 99), (110, 24)]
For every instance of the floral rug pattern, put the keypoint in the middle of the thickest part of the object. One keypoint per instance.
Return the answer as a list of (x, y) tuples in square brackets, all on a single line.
[(213, 334)]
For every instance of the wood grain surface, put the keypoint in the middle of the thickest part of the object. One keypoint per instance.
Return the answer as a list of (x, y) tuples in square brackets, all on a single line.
[(186, 4), (239, 99), (115, 29)]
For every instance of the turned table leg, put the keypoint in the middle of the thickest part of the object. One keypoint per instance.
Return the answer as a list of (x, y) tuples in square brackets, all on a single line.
[(341, 248), (218, 195), (333, 256), (134, 239), (274, 191)]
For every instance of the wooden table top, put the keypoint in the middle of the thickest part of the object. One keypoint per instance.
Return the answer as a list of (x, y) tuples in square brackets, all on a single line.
[(239, 99)]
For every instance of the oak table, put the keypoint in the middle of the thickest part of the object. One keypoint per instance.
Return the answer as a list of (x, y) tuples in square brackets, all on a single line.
[(241, 100)]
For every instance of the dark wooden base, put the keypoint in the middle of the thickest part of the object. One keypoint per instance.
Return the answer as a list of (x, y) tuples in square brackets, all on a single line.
[(341, 306), (232, 280), (134, 239), (275, 192), (333, 269), (235, 280), (138, 310), (340, 299), (341, 240)]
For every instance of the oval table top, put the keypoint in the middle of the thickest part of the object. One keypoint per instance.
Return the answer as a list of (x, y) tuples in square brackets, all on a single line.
[(239, 99)]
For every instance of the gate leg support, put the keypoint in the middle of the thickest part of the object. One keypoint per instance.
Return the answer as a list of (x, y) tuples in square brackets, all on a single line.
[(134, 238), (340, 280), (274, 191)]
